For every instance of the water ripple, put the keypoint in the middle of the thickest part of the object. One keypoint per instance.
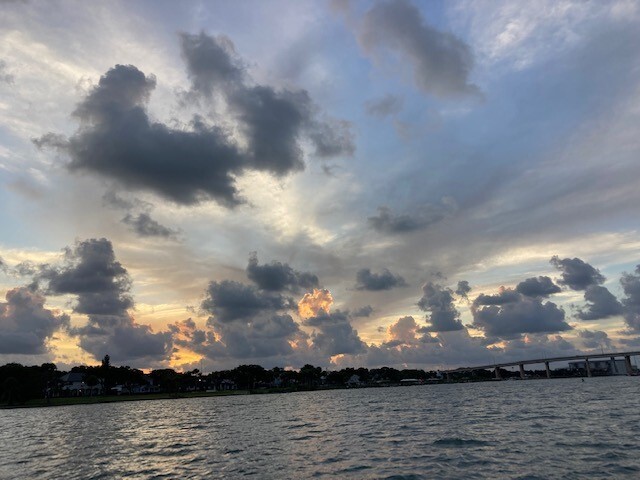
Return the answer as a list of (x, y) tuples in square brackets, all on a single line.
[(525, 430)]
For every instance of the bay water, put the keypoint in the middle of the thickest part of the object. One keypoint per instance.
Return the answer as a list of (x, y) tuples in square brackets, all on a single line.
[(559, 428)]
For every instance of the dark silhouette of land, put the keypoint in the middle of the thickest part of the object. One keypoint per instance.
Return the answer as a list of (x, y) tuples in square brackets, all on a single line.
[(45, 385)]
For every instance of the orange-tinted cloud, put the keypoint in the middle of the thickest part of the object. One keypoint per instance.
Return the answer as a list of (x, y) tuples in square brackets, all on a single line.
[(314, 303)]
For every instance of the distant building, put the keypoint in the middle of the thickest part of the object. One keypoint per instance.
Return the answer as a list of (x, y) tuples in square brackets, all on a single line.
[(354, 381), (610, 367), (73, 384)]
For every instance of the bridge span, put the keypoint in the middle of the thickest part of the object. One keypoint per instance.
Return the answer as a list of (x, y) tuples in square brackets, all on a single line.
[(521, 363)]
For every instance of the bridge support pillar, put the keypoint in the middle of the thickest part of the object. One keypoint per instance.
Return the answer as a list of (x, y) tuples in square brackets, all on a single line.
[(547, 369), (448, 377), (521, 371), (627, 363), (497, 372), (614, 367), (586, 362)]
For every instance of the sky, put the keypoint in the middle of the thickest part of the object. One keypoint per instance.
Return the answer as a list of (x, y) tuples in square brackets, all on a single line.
[(342, 183)]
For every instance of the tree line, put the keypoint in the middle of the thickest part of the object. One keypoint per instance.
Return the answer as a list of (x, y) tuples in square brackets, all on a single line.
[(20, 383)]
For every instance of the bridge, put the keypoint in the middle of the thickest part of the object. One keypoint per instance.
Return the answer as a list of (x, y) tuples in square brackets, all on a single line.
[(497, 366)]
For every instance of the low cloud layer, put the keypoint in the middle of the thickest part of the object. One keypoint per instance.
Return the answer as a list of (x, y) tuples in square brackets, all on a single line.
[(508, 314), (26, 325), (438, 302), (102, 287)]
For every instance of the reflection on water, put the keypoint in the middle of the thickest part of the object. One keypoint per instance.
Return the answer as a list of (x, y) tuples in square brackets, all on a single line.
[(529, 429)]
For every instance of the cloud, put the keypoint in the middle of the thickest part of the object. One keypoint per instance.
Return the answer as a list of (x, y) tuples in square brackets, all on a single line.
[(600, 304), (364, 311), (26, 325), (442, 314), (5, 77), (509, 313), (315, 303), (631, 286), (229, 300), (113, 200), (246, 322), (212, 62), (145, 226), (538, 287), (102, 285), (278, 277), (441, 62), (594, 339), (118, 140), (463, 289), (335, 335), (388, 222), (385, 106), (271, 120), (366, 280), (577, 274), (402, 332)]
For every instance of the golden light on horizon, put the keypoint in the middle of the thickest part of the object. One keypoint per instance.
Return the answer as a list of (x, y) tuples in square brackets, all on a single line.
[(314, 303)]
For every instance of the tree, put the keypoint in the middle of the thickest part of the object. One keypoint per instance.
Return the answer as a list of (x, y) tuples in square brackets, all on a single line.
[(91, 382)]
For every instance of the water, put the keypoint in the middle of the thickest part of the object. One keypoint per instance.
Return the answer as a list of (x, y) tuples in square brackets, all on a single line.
[(524, 429)]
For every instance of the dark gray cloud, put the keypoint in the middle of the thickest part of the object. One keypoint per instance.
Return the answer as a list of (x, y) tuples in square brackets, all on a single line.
[(145, 226), (601, 303), (335, 335), (631, 286), (117, 139), (229, 301), (3, 265), (441, 62), (264, 336), (366, 280), (248, 321), (365, 311), (272, 121), (509, 313), (463, 289), (278, 277), (388, 222), (26, 325), (385, 106), (595, 339), (577, 274), (538, 287), (442, 314), (212, 62), (102, 285)]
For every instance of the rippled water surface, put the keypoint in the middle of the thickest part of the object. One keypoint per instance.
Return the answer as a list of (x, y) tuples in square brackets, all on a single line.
[(521, 429)]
